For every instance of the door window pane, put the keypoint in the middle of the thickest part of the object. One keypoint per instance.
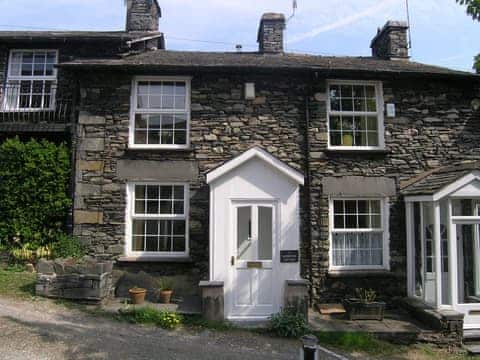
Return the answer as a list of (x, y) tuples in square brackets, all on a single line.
[(245, 249), (264, 233)]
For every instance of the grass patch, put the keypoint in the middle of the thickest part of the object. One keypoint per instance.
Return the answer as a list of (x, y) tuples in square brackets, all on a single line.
[(16, 282), (146, 315), (197, 322), (352, 342)]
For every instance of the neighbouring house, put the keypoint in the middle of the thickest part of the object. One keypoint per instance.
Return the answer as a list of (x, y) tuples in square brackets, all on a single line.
[(250, 171)]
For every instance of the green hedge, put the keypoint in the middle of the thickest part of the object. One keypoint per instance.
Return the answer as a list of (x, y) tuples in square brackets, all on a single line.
[(34, 201)]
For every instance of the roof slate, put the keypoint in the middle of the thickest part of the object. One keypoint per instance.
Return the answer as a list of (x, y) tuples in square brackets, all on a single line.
[(286, 61), (433, 181), (71, 35)]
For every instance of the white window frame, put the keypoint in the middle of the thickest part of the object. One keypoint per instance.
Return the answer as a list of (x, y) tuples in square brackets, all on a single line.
[(134, 110), (385, 215), (130, 216), (379, 113), (20, 78)]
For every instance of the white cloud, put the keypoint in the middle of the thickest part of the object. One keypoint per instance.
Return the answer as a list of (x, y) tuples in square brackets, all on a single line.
[(376, 8)]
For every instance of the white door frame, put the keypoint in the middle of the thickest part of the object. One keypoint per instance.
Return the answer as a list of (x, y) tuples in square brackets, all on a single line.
[(229, 288)]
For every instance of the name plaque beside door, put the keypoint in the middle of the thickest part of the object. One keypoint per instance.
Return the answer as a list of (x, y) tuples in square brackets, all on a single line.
[(289, 256)]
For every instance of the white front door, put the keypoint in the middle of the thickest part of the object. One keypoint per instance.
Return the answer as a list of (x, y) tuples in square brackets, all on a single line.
[(253, 292)]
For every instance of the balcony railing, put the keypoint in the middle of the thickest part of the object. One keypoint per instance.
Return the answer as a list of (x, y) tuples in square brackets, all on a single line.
[(33, 102)]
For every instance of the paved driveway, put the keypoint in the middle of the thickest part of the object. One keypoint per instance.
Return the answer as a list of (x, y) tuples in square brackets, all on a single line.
[(41, 330)]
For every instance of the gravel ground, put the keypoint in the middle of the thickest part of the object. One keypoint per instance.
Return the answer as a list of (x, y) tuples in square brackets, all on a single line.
[(42, 330)]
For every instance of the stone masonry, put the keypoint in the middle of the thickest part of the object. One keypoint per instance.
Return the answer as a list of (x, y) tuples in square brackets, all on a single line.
[(434, 125)]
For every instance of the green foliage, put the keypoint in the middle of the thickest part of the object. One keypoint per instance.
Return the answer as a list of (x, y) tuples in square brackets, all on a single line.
[(198, 322), (366, 296), (67, 246), (288, 323), (476, 65), (165, 284), (34, 178), (30, 253), (355, 342), (15, 282), (146, 315), (473, 8)]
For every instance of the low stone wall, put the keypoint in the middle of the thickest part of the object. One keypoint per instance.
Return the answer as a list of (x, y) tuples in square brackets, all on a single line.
[(84, 280)]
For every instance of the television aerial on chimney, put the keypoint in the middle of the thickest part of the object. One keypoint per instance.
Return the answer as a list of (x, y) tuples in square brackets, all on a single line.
[(294, 9)]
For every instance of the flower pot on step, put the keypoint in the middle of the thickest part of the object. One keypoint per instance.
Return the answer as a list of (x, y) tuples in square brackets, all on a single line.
[(137, 295), (165, 296), (358, 310)]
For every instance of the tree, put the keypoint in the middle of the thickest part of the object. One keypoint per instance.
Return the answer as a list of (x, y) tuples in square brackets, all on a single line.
[(473, 9)]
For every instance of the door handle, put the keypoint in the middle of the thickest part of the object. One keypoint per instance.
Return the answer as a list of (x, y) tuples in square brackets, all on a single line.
[(232, 260)]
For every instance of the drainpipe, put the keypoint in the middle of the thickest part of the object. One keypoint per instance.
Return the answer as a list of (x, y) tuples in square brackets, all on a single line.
[(73, 146), (308, 203)]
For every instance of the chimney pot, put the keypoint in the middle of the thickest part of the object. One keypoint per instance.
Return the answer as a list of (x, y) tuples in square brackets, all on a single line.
[(270, 33), (142, 15), (391, 41)]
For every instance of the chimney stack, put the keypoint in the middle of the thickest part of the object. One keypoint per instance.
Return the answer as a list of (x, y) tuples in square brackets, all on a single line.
[(270, 33), (391, 42), (142, 15)]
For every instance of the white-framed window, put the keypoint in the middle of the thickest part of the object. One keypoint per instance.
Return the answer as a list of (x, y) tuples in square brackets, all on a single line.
[(160, 113), (359, 233), (157, 219), (355, 115), (31, 80)]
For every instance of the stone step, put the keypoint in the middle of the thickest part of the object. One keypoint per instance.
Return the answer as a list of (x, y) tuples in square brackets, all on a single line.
[(472, 349), (471, 334)]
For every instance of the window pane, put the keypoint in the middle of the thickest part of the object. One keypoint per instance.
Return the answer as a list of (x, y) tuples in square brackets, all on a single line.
[(264, 233), (179, 244), (347, 104), (339, 221), (346, 91), (350, 207), (335, 123), (245, 249), (338, 207)]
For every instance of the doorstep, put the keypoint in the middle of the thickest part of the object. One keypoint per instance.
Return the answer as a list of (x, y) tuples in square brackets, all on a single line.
[(188, 305)]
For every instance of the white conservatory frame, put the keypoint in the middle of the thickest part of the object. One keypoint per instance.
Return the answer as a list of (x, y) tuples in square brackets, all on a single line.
[(465, 188)]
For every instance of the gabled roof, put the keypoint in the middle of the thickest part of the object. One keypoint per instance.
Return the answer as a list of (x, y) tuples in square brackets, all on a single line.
[(163, 59), (259, 153), (433, 181)]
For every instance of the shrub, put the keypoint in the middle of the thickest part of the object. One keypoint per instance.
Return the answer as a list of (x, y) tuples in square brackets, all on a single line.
[(67, 246), (162, 318), (34, 178), (288, 323)]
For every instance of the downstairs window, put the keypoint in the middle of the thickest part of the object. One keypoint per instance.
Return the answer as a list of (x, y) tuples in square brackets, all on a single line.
[(358, 234), (158, 222)]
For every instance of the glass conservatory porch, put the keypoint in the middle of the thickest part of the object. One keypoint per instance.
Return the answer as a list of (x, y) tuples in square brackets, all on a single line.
[(443, 241)]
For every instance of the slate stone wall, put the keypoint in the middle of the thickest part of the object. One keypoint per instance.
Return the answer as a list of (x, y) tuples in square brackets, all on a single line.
[(223, 125), (435, 125)]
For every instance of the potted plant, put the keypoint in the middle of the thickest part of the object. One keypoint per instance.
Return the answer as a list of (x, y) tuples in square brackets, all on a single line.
[(166, 290), (364, 306), (137, 295)]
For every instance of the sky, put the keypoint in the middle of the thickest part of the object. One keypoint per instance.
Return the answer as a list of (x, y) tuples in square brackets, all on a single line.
[(442, 34)]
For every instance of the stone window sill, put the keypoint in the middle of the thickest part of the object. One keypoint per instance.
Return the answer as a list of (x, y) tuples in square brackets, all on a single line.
[(159, 149), (151, 259), (358, 151), (359, 273)]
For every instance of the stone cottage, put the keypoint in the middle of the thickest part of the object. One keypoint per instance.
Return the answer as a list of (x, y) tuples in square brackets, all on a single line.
[(252, 172)]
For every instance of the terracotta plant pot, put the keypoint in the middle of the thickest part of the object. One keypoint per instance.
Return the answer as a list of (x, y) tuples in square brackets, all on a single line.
[(137, 295), (165, 296)]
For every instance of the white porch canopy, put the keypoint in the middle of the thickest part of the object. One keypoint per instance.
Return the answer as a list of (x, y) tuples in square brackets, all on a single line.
[(443, 241)]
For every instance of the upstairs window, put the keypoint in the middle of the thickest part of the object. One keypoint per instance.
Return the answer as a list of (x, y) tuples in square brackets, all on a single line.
[(358, 234), (31, 80), (355, 115), (160, 113)]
